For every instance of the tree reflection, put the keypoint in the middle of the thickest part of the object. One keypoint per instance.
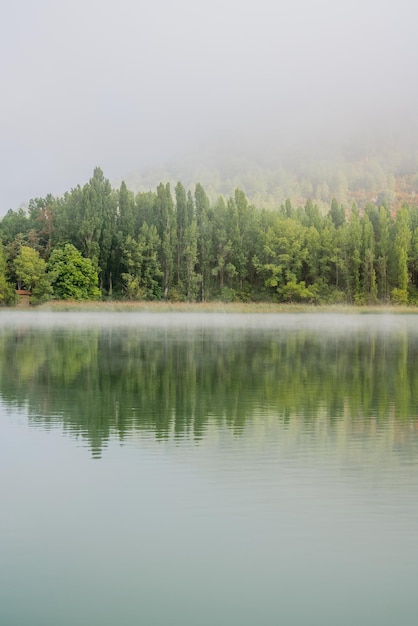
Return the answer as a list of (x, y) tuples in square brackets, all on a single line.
[(104, 383)]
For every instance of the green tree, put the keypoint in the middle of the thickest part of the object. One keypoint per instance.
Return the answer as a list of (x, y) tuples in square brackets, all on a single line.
[(126, 211), (145, 211), (337, 213), (7, 293), (241, 228), (181, 223), (369, 273), (30, 271), (73, 277), (330, 263), (191, 278), (166, 226), (204, 218), (413, 262), (221, 228), (313, 216), (101, 204), (383, 253), (353, 243), (140, 259), (87, 218), (42, 215), (401, 249), (13, 224), (283, 256)]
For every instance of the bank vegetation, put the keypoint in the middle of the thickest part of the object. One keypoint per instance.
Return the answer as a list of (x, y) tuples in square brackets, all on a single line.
[(96, 244)]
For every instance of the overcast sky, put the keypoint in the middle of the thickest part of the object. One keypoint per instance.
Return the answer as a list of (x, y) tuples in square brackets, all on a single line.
[(129, 83)]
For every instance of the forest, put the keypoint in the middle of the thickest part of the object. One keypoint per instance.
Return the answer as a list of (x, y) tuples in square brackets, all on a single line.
[(176, 244)]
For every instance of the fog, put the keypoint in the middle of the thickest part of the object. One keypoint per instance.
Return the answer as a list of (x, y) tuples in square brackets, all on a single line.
[(132, 83), (329, 324)]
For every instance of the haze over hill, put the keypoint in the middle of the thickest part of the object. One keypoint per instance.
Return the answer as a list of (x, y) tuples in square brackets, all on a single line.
[(363, 169), (129, 85)]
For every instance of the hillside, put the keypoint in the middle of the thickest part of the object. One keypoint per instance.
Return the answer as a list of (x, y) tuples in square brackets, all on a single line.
[(365, 172)]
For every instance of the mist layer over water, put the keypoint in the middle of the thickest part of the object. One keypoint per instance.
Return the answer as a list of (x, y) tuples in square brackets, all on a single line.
[(330, 322)]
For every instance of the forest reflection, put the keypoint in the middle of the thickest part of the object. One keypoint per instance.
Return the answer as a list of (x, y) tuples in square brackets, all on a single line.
[(102, 384)]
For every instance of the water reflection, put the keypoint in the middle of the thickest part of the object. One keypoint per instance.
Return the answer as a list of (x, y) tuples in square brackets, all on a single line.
[(102, 383)]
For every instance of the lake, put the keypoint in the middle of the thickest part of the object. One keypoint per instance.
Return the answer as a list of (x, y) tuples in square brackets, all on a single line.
[(208, 470)]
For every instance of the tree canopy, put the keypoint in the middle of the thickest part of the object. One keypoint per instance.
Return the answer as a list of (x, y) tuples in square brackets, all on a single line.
[(73, 277), (179, 245)]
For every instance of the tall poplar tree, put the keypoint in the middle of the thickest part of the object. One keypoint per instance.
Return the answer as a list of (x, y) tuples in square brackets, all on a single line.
[(401, 249), (182, 224), (7, 293), (383, 254), (369, 272), (353, 238), (164, 210), (204, 245)]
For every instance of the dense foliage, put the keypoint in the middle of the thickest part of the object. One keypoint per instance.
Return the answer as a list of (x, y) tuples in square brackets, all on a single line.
[(96, 241)]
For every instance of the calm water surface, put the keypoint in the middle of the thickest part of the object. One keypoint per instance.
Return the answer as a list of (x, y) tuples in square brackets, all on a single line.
[(208, 470)]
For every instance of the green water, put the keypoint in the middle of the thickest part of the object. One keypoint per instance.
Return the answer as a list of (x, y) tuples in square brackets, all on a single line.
[(208, 470)]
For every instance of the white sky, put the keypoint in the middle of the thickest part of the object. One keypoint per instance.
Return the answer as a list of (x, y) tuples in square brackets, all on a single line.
[(127, 83)]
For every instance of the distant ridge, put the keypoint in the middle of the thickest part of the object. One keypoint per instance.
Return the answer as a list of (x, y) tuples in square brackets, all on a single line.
[(373, 172)]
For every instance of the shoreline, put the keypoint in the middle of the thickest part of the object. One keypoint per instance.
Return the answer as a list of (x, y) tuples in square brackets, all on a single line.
[(212, 307)]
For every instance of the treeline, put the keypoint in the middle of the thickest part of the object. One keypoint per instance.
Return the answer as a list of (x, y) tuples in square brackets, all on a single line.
[(98, 242)]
